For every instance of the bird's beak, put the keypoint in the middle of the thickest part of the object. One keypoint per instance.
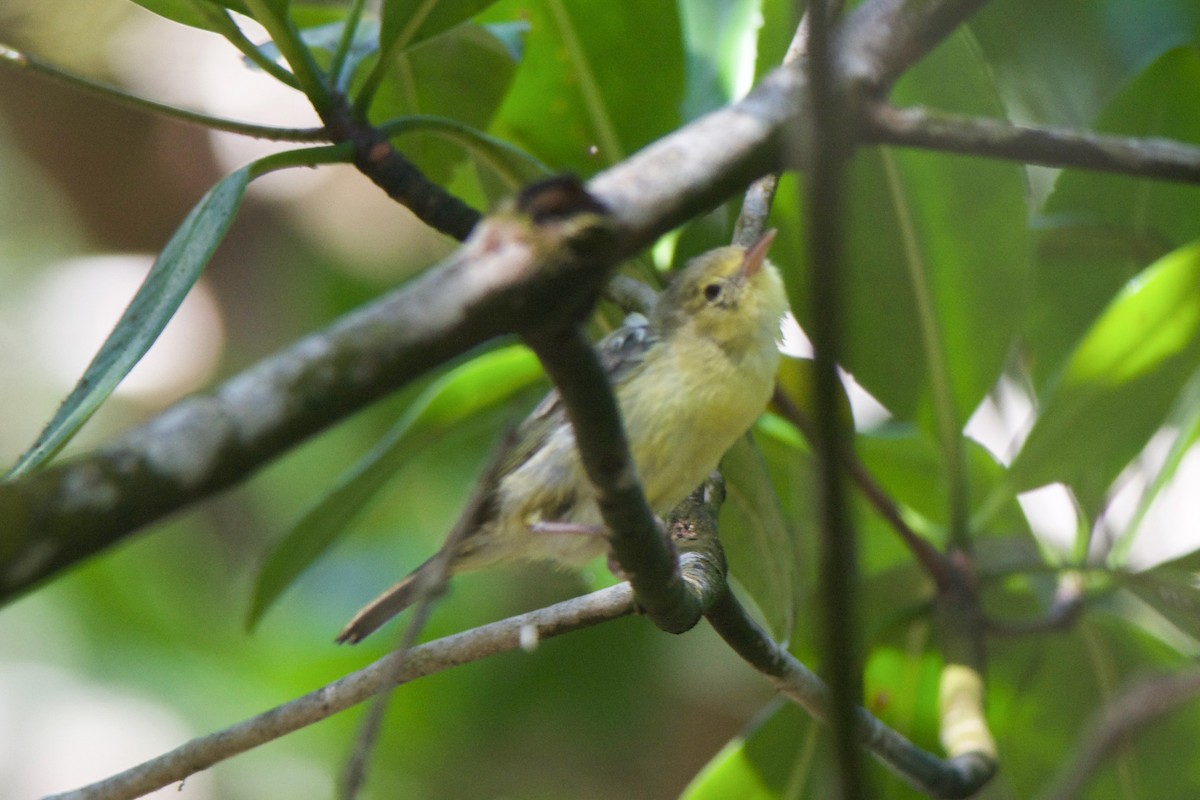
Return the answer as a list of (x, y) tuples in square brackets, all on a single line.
[(757, 253)]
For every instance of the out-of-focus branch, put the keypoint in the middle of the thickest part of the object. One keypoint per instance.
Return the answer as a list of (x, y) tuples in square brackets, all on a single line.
[(960, 775), (1053, 147), (522, 631), (1137, 707), (828, 127)]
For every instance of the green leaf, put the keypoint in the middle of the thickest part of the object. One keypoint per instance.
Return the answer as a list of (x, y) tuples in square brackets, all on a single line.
[(480, 384), (326, 35), (720, 40), (188, 12), (931, 290), (407, 22), (462, 75), (1119, 383), (1079, 50), (905, 463), (1183, 425), (1172, 591), (758, 538), (774, 761), (1101, 230), (598, 80), (174, 273)]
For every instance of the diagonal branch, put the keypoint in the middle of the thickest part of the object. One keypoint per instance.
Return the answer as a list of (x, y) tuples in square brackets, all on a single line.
[(1131, 712), (882, 39), (636, 541)]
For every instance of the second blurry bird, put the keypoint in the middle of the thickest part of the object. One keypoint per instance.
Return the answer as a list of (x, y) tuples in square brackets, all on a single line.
[(689, 382)]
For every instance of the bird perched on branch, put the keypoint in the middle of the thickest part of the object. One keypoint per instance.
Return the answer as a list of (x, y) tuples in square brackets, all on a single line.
[(688, 381)]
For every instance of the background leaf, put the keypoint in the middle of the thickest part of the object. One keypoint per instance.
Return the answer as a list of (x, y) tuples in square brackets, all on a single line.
[(583, 97), (774, 760), (405, 23), (720, 40), (765, 551), (1119, 383), (928, 282), (185, 11), (1098, 230)]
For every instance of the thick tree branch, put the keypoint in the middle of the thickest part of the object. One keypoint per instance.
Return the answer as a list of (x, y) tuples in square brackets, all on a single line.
[(520, 631), (505, 276), (881, 40), (1053, 147)]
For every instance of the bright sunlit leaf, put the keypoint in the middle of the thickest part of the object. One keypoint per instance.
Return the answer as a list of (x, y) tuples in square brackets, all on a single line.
[(1121, 380)]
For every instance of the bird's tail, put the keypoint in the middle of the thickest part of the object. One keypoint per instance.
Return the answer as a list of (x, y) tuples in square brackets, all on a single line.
[(425, 580), (429, 579)]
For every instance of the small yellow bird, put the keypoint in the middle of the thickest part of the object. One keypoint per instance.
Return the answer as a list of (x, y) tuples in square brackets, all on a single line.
[(689, 381)]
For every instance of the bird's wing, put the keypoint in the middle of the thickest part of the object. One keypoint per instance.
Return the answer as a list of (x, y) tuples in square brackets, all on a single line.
[(621, 353)]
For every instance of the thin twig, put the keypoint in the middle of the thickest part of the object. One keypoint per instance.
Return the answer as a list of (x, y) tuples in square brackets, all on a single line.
[(391, 171), (22, 60), (426, 659), (224, 24), (631, 294)]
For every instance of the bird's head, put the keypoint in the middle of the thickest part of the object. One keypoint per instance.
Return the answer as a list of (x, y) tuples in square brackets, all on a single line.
[(731, 295)]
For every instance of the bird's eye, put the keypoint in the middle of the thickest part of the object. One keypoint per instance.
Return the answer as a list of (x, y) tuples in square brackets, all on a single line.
[(712, 292)]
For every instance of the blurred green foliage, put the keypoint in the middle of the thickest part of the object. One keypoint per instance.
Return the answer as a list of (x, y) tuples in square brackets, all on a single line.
[(1078, 289)]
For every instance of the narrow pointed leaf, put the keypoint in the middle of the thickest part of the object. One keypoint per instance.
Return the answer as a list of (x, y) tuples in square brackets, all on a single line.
[(189, 12), (174, 273), (406, 22)]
